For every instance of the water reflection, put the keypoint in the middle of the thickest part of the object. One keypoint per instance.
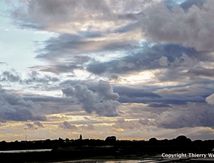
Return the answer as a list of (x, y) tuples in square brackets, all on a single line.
[(26, 151), (149, 160)]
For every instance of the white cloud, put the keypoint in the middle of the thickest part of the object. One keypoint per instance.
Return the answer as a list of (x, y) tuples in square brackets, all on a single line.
[(55, 14), (192, 27), (210, 99)]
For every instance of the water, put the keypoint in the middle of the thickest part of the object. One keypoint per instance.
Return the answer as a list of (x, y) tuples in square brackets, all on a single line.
[(26, 151), (107, 161), (154, 159)]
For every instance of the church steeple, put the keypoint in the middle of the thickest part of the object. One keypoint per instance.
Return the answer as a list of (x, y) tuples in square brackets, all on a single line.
[(80, 137)]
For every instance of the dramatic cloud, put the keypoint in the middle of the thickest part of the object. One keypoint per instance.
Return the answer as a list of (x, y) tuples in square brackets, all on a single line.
[(76, 48), (57, 15), (126, 66), (190, 115), (134, 92), (192, 28), (87, 31), (51, 12), (162, 100), (24, 107), (150, 57), (208, 72), (15, 108), (101, 99)]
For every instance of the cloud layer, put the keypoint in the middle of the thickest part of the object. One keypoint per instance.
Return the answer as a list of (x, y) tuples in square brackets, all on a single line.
[(100, 99), (191, 28), (123, 66), (15, 108)]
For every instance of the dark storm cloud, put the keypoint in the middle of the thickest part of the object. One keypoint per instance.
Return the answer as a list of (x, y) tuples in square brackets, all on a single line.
[(68, 52), (209, 72), (37, 98), (191, 115), (68, 44), (99, 99), (134, 92), (20, 107), (167, 96), (75, 47), (15, 108), (151, 57), (52, 105), (19, 115), (135, 95), (163, 100), (173, 98), (110, 18)]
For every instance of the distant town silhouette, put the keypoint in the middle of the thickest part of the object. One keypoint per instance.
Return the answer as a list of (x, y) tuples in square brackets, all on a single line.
[(67, 149)]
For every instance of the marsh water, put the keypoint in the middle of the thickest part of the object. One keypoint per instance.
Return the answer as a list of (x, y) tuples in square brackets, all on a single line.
[(153, 159), (102, 161), (143, 159), (26, 151)]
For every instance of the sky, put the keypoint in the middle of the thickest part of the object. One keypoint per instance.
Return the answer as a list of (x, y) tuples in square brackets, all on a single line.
[(135, 69)]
